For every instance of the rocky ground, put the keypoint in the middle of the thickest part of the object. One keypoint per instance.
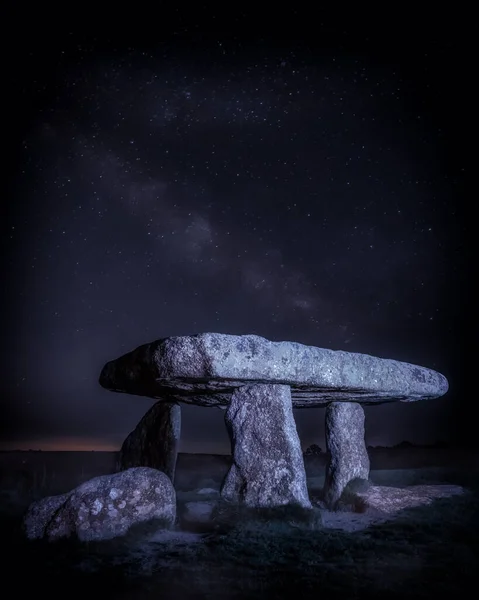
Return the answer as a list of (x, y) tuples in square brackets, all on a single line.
[(398, 538)]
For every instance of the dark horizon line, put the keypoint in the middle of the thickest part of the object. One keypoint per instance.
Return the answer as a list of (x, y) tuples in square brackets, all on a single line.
[(440, 444)]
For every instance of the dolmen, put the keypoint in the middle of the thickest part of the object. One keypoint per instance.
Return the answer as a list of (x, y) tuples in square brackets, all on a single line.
[(258, 382)]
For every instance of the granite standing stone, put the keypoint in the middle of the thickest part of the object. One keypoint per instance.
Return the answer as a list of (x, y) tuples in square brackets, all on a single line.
[(348, 457), (268, 468), (154, 441)]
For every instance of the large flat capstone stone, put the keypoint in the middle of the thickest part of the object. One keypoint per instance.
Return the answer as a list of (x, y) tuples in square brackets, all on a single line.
[(206, 369)]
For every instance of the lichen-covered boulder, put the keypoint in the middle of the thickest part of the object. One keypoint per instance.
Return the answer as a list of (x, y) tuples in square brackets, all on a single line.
[(268, 468), (104, 507), (154, 441)]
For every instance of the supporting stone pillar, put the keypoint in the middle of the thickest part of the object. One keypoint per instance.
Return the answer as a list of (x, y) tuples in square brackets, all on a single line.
[(154, 441), (268, 468), (348, 457)]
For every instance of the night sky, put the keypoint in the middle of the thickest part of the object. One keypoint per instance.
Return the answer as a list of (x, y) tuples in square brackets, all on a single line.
[(303, 184)]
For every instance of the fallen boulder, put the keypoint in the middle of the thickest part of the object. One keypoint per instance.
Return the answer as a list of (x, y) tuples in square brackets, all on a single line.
[(387, 500), (104, 507)]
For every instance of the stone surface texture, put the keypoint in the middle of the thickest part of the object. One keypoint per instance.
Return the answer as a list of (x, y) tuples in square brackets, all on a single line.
[(154, 441), (348, 456), (380, 504), (206, 368), (104, 507), (40, 513), (390, 500), (268, 468)]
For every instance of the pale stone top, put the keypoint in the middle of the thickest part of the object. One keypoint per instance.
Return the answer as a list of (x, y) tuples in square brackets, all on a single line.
[(205, 369)]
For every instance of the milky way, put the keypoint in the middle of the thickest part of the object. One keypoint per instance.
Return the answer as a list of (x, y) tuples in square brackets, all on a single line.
[(296, 199)]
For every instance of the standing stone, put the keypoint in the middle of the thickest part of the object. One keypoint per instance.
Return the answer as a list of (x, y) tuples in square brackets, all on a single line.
[(345, 441), (154, 441), (268, 468)]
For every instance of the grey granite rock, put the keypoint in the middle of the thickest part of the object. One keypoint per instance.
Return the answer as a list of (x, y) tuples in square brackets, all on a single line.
[(348, 457), (206, 368), (390, 500), (104, 507), (40, 513), (268, 468), (154, 441)]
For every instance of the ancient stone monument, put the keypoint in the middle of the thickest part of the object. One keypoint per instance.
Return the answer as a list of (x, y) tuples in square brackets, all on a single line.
[(258, 382)]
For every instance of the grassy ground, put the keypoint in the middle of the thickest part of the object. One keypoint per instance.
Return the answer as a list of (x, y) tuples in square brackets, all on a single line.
[(425, 552)]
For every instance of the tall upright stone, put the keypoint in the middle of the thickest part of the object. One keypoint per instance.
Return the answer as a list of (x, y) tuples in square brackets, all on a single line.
[(348, 456), (154, 441), (268, 468)]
